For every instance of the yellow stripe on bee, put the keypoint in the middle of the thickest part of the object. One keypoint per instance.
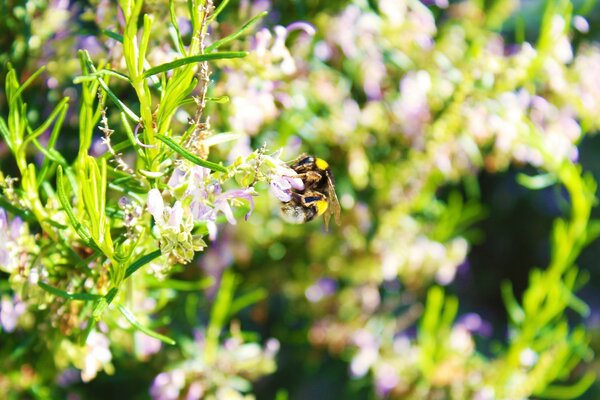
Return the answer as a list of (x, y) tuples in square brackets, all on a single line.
[(321, 206), (321, 164)]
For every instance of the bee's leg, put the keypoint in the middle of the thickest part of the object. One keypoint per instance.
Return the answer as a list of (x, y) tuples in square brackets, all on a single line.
[(310, 178)]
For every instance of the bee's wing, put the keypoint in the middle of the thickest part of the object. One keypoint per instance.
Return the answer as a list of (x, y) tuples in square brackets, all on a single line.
[(334, 205)]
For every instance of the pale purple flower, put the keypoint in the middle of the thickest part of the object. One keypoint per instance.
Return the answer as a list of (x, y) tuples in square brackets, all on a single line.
[(177, 178), (10, 311), (222, 204), (164, 215), (97, 356), (475, 324), (283, 181), (168, 385), (301, 26), (367, 354), (412, 108), (91, 44), (207, 199), (322, 288), (156, 205), (10, 233), (145, 345), (195, 391), (386, 378), (68, 377), (581, 24)]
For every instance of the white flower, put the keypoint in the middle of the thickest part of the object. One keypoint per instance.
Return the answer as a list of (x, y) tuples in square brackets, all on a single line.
[(97, 355)]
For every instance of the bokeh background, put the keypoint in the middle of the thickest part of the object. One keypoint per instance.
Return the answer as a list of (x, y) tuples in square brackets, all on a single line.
[(412, 104)]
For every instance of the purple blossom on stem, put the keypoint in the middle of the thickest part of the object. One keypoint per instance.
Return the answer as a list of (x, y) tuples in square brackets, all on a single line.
[(10, 311), (10, 233), (207, 198), (322, 288), (283, 181), (473, 323)]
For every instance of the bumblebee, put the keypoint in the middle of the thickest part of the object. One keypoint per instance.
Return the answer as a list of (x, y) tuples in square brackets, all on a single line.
[(318, 197)]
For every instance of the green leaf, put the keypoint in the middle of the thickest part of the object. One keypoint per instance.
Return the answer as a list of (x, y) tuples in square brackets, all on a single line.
[(247, 300), (70, 296), (183, 286), (103, 303), (515, 312), (570, 392), (115, 99), (189, 156), (23, 214), (219, 314), (140, 262), (118, 102), (60, 109), (194, 59), (28, 81), (221, 138), (133, 321), (174, 28), (66, 204), (218, 10), (537, 182), (100, 74), (113, 35), (237, 34), (5, 132)]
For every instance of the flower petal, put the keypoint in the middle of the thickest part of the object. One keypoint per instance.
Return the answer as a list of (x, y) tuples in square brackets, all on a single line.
[(155, 204)]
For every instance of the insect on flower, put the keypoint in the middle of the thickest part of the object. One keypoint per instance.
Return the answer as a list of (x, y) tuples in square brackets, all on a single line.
[(318, 196)]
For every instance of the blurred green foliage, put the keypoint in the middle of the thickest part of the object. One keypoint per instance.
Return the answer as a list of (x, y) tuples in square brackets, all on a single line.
[(455, 134)]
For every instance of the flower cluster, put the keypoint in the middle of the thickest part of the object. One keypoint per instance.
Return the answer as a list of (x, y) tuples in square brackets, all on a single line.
[(409, 101), (228, 378)]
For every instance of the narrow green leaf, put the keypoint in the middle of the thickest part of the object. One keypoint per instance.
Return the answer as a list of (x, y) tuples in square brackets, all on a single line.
[(218, 100), (66, 204), (133, 321), (118, 102), (537, 182), (103, 303), (51, 156), (174, 28), (570, 392), (23, 214), (183, 286), (221, 138), (189, 156), (515, 312), (194, 59), (143, 47), (109, 92), (247, 300), (218, 10), (5, 132), (60, 109), (132, 140), (70, 296), (219, 314), (578, 305), (100, 74), (140, 262), (113, 35), (237, 34), (29, 81)]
